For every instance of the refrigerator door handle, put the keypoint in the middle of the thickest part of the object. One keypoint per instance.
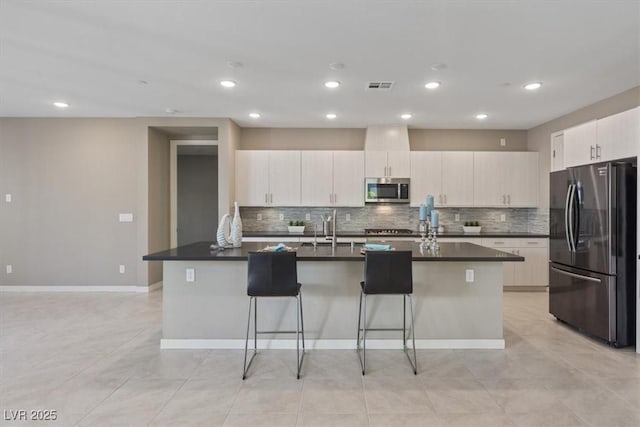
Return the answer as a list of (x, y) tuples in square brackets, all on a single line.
[(568, 217), (577, 276)]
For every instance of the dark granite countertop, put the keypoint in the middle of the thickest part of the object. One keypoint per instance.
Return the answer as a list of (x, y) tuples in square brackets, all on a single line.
[(488, 234), (449, 252)]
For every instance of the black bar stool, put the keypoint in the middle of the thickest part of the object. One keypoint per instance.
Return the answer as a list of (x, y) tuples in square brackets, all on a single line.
[(272, 274), (387, 273)]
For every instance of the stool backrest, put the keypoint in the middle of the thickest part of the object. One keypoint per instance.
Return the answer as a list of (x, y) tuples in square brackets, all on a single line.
[(388, 272), (272, 274)]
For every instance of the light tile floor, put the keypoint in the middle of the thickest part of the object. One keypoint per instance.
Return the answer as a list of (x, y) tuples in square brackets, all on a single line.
[(95, 359)]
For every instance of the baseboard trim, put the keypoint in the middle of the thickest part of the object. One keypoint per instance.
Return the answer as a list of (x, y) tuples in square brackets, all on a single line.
[(73, 288), (327, 344)]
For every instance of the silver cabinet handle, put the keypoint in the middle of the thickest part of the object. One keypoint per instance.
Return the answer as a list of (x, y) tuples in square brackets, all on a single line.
[(577, 276), (440, 198), (508, 199), (533, 243), (591, 155), (504, 199), (385, 172), (271, 198), (335, 198), (445, 199), (598, 151), (265, 198), (498, 243), (389, 171)]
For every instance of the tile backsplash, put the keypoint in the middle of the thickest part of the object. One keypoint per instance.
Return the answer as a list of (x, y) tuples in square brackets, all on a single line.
[(530, 220)]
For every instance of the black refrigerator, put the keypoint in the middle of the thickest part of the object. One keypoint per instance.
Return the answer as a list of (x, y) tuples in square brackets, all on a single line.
[(592, 247)]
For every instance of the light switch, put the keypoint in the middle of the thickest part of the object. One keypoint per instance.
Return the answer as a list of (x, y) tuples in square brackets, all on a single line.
[(457, 217), (7, 198), (125, 217), (503, 142), (281, 216), (348, 217), (469, 275), (122, 269), (259, 217), (307, 217), (9, 269), (503, 217)]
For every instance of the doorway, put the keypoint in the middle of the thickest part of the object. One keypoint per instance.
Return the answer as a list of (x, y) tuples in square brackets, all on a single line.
[(194, 191)]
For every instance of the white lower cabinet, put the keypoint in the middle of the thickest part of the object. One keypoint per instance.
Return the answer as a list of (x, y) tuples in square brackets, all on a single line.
[(534, 271)]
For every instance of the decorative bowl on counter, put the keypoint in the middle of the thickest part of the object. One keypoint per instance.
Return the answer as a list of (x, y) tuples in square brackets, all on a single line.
[(296, 229), (468, 229)]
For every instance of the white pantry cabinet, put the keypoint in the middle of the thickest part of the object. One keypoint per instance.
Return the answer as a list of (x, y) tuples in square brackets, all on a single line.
[(268, 178), (618, 136), (332, 178), (387, 164), (557, 151), (580, 146), (505, 179)]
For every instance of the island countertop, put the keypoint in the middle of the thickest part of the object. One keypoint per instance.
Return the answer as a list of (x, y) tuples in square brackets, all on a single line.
[(449, 252)]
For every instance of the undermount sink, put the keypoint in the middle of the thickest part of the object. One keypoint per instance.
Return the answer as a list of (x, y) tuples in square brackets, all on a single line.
[(326, 244)]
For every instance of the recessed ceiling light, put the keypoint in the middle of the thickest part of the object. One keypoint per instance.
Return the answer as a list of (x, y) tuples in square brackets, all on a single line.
[(332, 84), (406, 116), (254, 115), (227, 83), (234, 64), (336, 66), (432, 85), (331, 116), (533, 86), (438, 66), (481, 116), (61, 104)]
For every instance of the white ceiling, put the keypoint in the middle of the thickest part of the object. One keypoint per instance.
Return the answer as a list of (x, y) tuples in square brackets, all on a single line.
[(93, 55)]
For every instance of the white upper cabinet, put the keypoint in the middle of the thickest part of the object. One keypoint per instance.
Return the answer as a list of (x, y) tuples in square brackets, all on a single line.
[(387, 164), (557, 151), (348, 178), (399, 164), (252, 177), (457, 179), (332, 178), (426, 176), (268, 178), (317, 178), (618, 136), (505, 179), (580, 144)]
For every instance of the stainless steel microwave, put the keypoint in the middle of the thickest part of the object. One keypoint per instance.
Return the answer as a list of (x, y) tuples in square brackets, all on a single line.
[(386, 190)]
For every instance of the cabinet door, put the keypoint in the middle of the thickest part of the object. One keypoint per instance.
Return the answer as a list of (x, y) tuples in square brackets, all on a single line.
[(580, 144), (252, 177), (618, 136), (398, 164), (457, 179), (375, 164), (534, 270), (316, 181), (521, 179), (557, 151), (489, 186), (348, 178), (284, 178), (426, 176)]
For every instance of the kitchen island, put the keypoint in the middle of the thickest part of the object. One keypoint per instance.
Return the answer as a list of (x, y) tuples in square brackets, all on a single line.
[(450, 312)]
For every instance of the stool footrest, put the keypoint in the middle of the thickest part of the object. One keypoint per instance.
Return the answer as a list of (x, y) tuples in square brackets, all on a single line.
[(275, 332), (383, 329)]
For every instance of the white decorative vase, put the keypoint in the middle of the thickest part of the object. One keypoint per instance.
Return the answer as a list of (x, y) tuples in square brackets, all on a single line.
[(223, 234), (236, 228)]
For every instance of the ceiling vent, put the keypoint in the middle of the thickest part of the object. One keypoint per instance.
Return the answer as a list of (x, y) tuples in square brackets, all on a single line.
[(379, 85)]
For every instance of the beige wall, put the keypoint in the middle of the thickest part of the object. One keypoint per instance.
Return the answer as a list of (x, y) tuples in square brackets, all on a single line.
[(70, 178), (353, 139), (467, 140), (538, 138)]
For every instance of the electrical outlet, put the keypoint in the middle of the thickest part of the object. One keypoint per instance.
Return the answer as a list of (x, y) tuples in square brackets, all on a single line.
[(503, 217), (307, 217), (7, 198), (191, 274), (125, 217), (469, 275), (259, 217), (348, 217), (281, 216), (457, 217), (503, 142), (9, 269), (122, 269)]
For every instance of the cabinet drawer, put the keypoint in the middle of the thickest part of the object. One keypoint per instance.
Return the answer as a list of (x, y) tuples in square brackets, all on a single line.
[(533, 243), (501, 242)]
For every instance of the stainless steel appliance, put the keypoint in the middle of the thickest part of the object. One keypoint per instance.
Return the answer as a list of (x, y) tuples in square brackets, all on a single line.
[(592, 247), (386, 190)]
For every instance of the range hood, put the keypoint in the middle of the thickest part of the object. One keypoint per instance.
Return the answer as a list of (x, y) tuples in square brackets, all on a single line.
[(387, 138)]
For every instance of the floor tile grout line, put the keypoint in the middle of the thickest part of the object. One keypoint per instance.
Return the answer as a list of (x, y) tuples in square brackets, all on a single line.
[(102, 401), (167, 401)]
